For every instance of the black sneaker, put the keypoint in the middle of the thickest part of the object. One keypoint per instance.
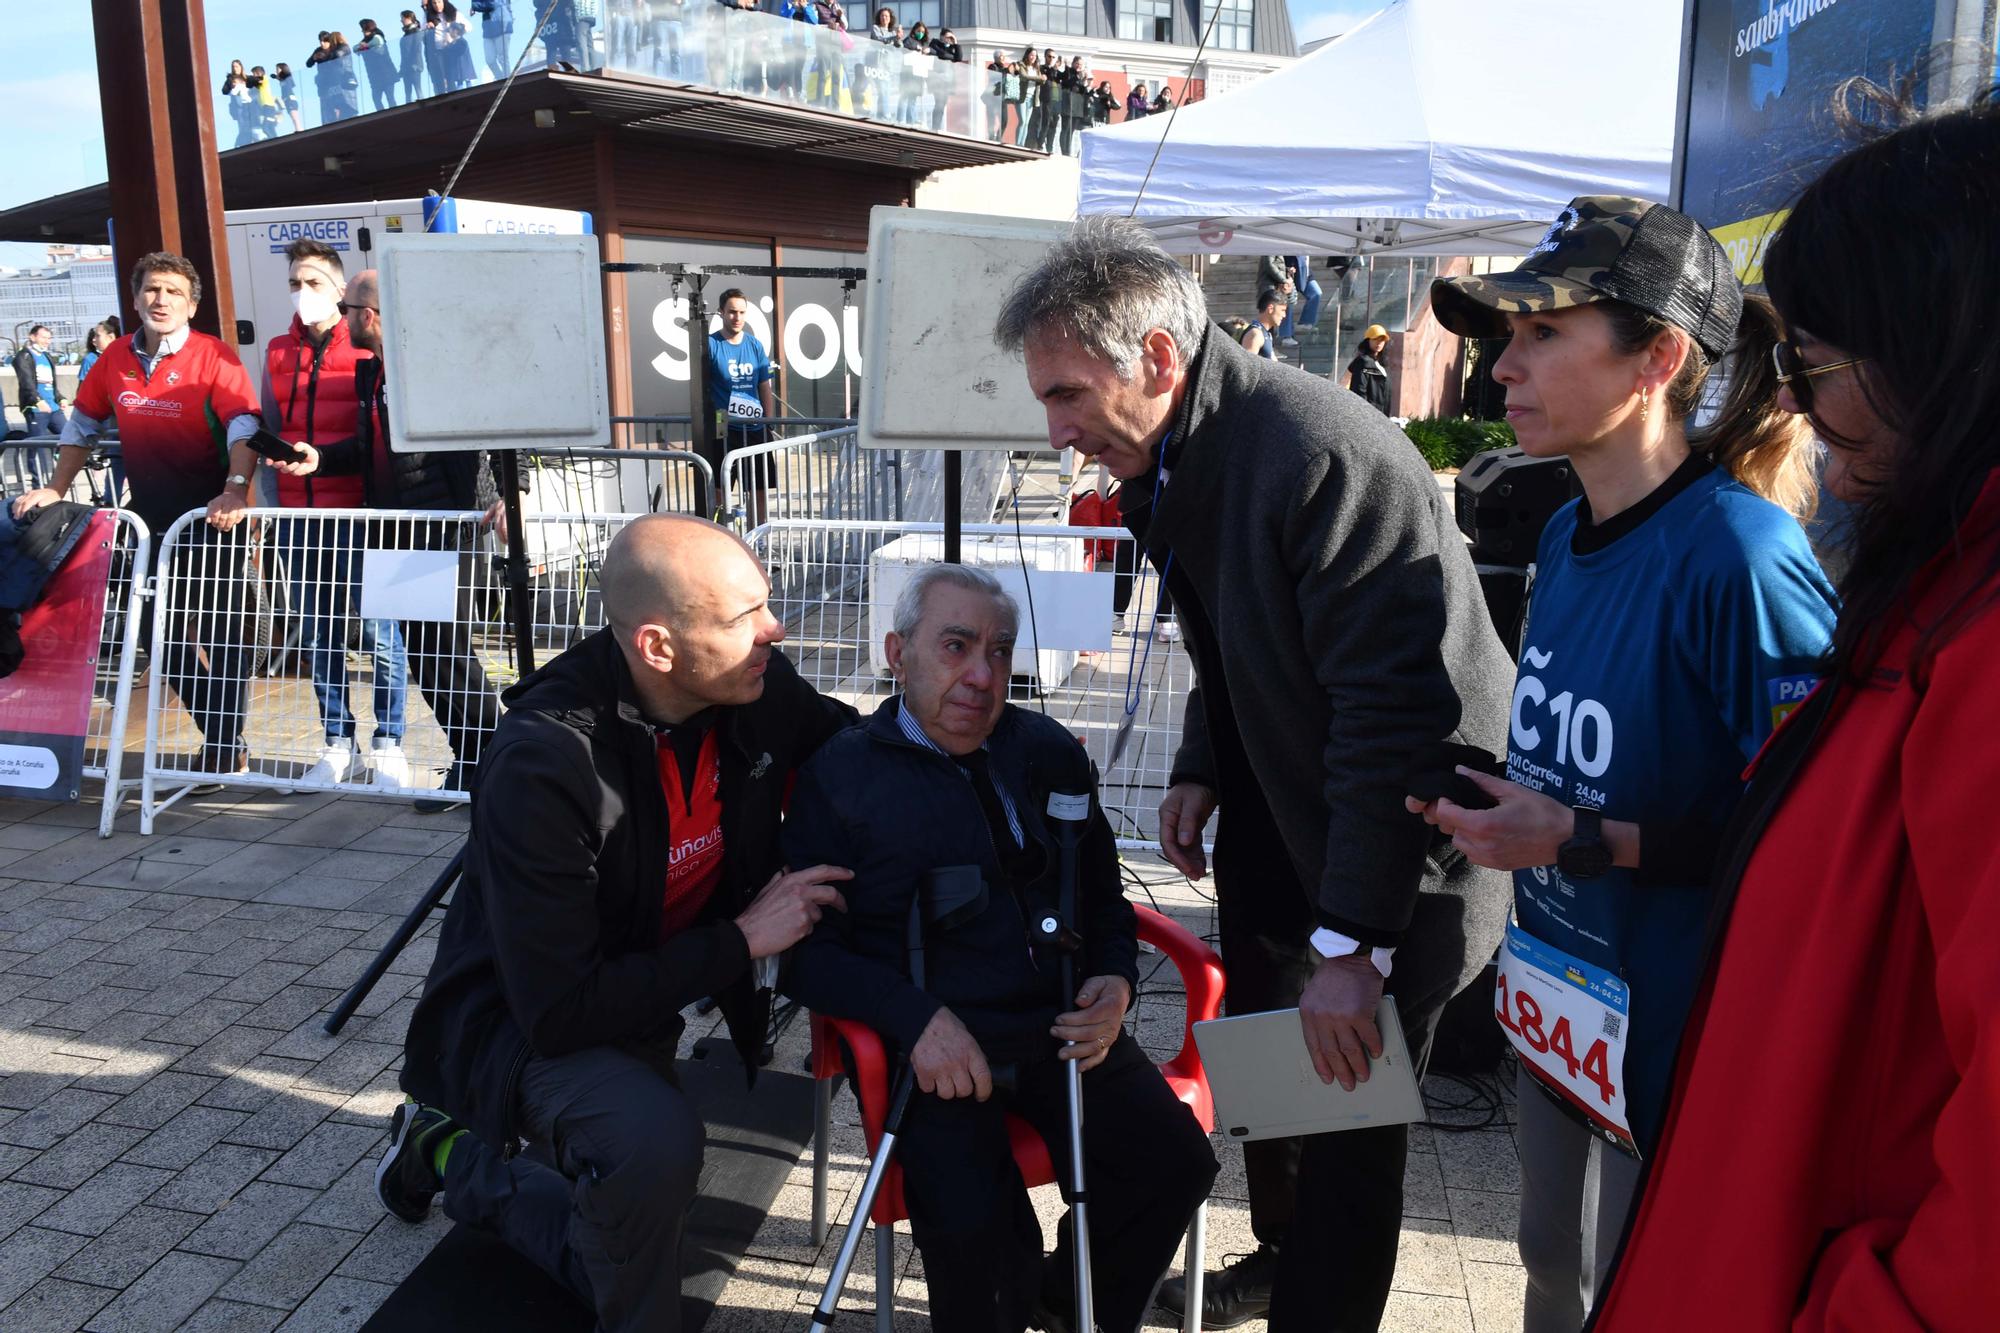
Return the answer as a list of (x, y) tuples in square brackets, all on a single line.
[(455, 779), (405, 1180), (1236, 1295)]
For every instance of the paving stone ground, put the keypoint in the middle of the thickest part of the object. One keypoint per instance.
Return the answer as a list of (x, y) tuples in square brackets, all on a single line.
[(183, 1147)]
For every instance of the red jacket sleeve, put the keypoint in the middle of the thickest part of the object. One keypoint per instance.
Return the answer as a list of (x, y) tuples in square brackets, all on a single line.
[(1939, 1268)]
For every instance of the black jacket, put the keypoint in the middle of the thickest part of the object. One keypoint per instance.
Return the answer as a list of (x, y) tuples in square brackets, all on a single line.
[(1344, 631), (892, 811), (551, 943), (450, 479), (27, 397), (1367, 376)]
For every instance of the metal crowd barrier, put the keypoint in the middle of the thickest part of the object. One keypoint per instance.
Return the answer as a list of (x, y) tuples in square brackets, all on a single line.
[(226, 603), (229, 704), (821, 475), (622, 480), (117, 662)]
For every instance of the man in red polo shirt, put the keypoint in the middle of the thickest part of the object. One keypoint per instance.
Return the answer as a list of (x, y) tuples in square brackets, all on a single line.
[(185, 408)]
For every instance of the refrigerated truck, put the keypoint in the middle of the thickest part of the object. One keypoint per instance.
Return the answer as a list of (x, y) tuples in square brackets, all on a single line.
[(258, 237)]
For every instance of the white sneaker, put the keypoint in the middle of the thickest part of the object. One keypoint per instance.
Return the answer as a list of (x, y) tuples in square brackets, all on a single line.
[(391, 768), (1169, 631), (333, 765)]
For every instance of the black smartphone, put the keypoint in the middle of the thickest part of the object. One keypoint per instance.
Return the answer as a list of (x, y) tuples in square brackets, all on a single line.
[(274, 448)]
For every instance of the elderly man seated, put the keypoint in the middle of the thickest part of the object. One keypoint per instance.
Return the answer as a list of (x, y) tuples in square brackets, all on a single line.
[(943, 792)]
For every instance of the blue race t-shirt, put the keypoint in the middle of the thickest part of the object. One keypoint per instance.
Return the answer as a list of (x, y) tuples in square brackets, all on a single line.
[(45, 379), (734, 372), (1652, 670)]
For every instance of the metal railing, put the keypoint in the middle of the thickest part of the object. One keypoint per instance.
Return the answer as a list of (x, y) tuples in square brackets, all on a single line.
[(116, 664), (402, 630), (410, 603), (821, 475)]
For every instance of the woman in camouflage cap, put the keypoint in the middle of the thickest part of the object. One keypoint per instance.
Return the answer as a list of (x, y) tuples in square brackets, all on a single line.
[(1677, 612), (1830, 1158)]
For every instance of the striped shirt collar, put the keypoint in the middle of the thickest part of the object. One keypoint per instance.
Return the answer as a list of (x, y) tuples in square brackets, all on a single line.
[(169, 345), (915, 734)]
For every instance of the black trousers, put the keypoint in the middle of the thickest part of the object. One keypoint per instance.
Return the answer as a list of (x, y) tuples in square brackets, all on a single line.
[(600, 1201), (1331, 1203), (1147, 1166), (204, 651), (441, 661)]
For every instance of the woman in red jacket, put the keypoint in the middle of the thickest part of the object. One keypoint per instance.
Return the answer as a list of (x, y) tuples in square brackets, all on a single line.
[(1831, 1154)]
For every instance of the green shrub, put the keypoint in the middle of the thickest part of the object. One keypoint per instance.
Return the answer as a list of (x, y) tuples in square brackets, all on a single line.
[(1447, 442)]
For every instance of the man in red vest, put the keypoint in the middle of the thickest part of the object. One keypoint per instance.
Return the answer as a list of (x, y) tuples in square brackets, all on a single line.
[(309, 398), (184, 407)]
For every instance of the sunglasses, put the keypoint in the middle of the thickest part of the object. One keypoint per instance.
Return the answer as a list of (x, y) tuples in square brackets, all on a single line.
[(1795, 374), (347, 308)]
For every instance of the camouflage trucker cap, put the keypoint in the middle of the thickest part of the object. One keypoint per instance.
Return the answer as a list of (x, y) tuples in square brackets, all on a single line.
[(1607, 247)]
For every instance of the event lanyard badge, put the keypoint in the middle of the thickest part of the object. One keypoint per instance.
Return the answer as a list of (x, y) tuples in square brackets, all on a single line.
[(1568, 1020), (1135, 673)]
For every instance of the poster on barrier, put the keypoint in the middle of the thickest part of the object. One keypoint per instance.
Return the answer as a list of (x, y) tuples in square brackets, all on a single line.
[(45, 703)]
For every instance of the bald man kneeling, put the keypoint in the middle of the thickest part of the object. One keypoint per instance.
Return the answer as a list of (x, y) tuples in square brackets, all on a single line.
[(623, 864)]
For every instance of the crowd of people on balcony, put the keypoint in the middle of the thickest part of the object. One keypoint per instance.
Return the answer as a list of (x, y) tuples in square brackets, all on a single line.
[(812, 52)]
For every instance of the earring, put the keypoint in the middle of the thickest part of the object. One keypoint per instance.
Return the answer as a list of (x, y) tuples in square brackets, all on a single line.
[(1645, 403)]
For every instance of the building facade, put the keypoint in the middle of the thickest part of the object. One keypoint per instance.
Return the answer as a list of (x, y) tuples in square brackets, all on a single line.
[(1126, 42)]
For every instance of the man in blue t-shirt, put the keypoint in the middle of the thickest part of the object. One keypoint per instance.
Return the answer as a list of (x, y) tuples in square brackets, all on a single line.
[(739, 388)]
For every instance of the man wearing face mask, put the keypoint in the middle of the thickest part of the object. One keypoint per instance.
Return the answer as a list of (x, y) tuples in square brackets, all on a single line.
[(309, 399)]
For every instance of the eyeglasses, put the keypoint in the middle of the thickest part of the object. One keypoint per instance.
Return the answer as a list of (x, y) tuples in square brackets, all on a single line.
[(346, 308), (1795, 374)]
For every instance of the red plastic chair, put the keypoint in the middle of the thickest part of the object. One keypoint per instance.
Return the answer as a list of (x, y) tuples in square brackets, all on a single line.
[(1201, 976)]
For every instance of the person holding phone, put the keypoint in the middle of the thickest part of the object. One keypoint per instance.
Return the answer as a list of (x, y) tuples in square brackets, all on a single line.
[(309, 398), (1677, 615), (1828, 1159)]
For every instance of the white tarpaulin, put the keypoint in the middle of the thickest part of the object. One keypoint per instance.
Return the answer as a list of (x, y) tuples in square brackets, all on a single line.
[(1441, 127)]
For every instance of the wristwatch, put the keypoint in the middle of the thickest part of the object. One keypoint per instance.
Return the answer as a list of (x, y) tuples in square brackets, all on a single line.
[(237, 479), (1585, 855)]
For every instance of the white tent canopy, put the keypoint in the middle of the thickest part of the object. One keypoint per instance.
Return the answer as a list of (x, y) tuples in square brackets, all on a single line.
[(1437, 127)]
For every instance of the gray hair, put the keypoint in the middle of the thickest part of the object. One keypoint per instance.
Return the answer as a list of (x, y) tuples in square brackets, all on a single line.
[(1107, 285), (910, 602)]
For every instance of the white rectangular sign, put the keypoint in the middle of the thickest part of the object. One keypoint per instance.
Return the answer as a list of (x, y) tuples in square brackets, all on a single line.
[(409, 585), (494, 342)]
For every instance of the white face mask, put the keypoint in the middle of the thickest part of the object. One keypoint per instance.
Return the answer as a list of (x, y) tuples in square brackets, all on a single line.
[(315, 307)]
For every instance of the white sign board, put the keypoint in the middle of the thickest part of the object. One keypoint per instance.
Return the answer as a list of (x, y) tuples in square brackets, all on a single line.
[(932, 376), (409, 585), (494, 342)]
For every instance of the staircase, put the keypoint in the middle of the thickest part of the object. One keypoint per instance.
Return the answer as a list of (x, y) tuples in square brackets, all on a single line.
[(1230, 284)]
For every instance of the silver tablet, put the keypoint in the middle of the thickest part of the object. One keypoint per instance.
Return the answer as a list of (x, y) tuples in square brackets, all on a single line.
[(1266, 1087)]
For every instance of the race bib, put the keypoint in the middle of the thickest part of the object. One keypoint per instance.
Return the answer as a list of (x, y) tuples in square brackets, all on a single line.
[(746, 409), (1568, 1020)]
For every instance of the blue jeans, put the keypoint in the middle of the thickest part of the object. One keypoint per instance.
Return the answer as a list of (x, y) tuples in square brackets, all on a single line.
[(319, 559), (1308, 309), (498, 62)]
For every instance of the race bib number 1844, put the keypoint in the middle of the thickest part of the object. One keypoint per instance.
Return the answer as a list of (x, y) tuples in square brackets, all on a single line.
[(1568, 1020)]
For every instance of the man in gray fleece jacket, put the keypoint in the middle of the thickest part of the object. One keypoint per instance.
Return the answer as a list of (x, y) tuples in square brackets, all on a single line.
[(1338, 630)]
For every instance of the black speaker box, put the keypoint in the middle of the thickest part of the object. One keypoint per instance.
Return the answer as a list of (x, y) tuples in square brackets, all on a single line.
[(1505, 498), (1506, 591), (1469, 1039)]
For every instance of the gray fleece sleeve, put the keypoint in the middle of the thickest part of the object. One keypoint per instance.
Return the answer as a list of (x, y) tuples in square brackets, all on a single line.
[(1361, 545)]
